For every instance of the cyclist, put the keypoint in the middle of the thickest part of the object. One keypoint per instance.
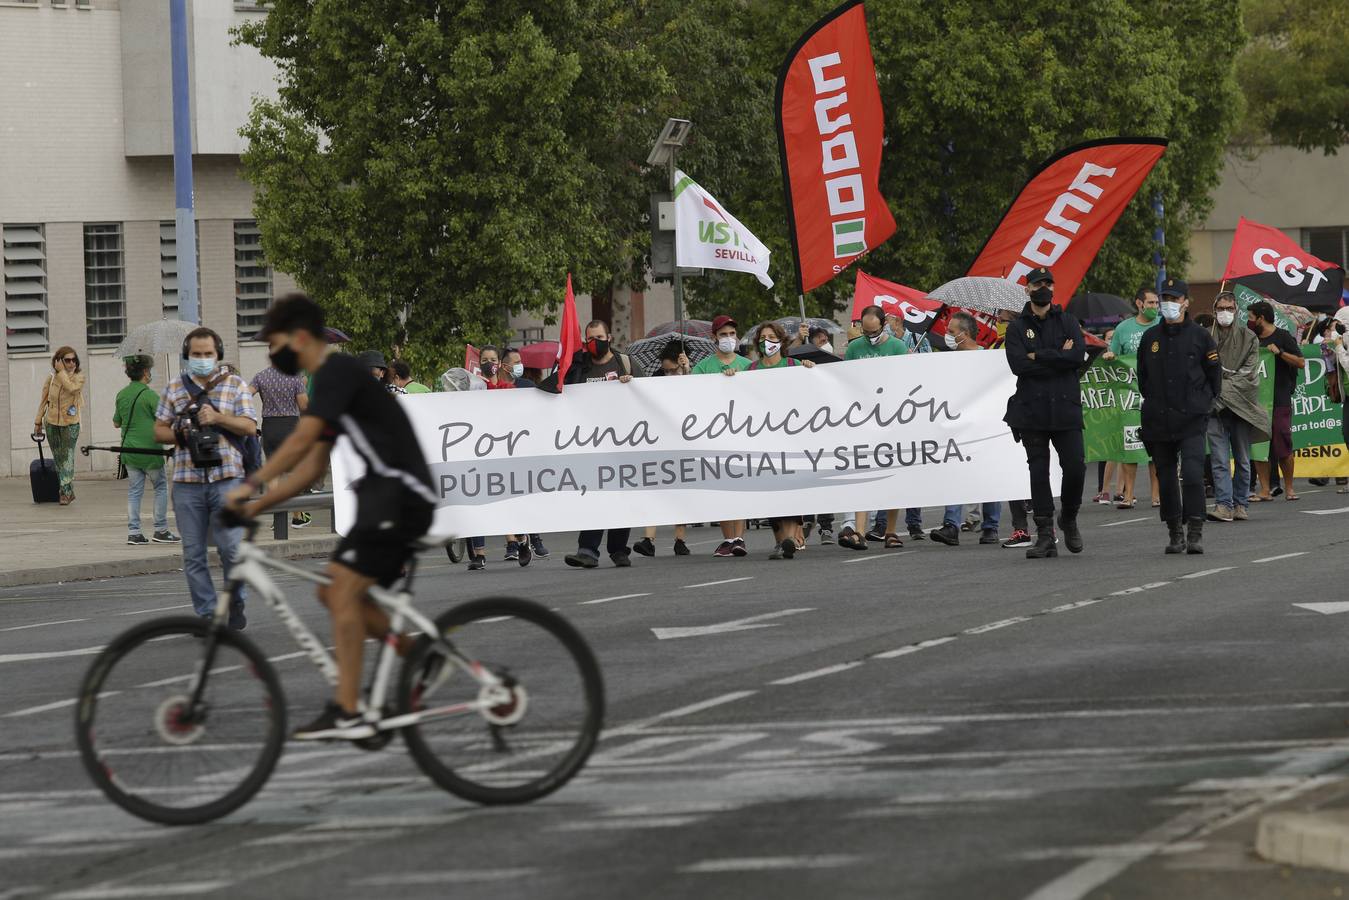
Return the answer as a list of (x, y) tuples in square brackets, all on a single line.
[(394, 500)]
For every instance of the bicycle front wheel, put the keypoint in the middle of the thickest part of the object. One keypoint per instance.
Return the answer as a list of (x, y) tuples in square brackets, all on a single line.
[(522, 740), (154, 754)]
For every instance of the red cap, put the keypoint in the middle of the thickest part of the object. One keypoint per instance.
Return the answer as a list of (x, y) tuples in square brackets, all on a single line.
[(721, 322)]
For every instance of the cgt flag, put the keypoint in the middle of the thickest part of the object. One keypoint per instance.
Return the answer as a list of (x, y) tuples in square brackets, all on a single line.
[(1067, 208), (831, 129), (1266, 260), (708, 237), (909, 304)]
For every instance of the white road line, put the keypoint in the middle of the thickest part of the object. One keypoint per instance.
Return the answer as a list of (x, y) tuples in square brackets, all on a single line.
[(1110, 851), (817, 673), (771, 863), (143, 890), (48, 707), (627, 824), (141, 612), (1139, 589), (42, 624), (612, 599), (994, 626), (912, 648), (1126, 522), (715, 583), (56, 654), (1076, 604), (1327, 512), (1208, 572), (1281, 556), (453, 876), (705, 704), (62, 850), (862, 559)]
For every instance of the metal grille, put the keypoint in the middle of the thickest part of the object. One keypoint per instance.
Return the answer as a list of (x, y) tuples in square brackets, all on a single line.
[(252, 279), (104, 284), (25, 257), (168, 268)]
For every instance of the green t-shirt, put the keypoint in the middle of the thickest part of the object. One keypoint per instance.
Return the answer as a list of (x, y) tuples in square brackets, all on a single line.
[(861, 348), (138, 424), (782, 361), (413, 387), (1128, 334), (710, 365)]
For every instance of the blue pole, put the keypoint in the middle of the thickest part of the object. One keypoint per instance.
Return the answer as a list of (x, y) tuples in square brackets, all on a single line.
[(185, 232), (1159, 235)]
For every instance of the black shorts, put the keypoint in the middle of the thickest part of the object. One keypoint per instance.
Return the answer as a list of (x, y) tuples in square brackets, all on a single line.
[(389, 520), (275, 430)]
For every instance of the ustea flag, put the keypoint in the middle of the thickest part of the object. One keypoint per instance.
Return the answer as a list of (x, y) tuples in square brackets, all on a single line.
[(708, 237), (831, 129), (1066, 210), (1267, 260)]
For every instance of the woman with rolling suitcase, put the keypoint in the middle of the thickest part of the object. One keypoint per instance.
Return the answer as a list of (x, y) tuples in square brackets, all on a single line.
[(59, 412)]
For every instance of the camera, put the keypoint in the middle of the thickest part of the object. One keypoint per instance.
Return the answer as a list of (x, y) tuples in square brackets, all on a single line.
[(202, 441)]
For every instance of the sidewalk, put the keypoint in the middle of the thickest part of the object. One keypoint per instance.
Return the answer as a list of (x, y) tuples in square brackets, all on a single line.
[(44, 543)]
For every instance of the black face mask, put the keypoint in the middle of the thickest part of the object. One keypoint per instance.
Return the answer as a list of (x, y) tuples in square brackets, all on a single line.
[(1041, 296), (489, 369), (601, 348), (286, 361)]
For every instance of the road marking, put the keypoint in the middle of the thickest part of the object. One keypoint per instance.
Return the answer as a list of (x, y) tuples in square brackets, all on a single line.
[(1140, 588), (627, 824), (862, 559), (1076, 604), (1126, 522), (1281, 556), (612, 599), (1001, 794), (1327, 512), (770, 863), (141, 612), (455, 876), (715, 583), (64, 850), (1208, 572), (42, 624), (994, 626), (705, 704), (143, 890), (817, 673), (1325, 609), (747, 624), (48, 707), (56, 654), (912, 648), (1110, 851)]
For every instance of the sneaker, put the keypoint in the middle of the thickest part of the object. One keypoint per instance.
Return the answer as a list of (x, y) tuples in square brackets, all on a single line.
[(1102, 497), (725, 548), (334, 724), (581, 561), (1240, 514), (1221, 513), (738, 547), (167, 537), (621, 560), (776, 552), (512, 551), (1277, 492), (644, 547), (988, 536), (137, 539), (916, 533), (237, 621), (1118, 498), (806, 529), (788, 548), (477, 564), (826, 536), (526, 554), (1018, 540), (300, 520), (876, 534), (680, 548), (948, 534), (536, 544)]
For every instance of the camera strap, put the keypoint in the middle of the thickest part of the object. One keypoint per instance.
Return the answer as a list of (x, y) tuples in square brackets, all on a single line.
[(249, 447)]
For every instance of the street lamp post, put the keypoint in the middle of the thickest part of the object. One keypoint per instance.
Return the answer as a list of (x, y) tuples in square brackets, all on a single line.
[(673, 136)]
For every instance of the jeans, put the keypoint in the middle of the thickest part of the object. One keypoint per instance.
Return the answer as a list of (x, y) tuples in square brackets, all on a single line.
[(992, 513), (589, 543), (1072, 460), (196, 507), (135, 490), (1229, 438), (1177, 501), (1019, 508)]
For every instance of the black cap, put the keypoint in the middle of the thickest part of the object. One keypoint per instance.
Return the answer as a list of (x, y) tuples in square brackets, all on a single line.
[(1174, 287), (372, 359), (1040, 274)]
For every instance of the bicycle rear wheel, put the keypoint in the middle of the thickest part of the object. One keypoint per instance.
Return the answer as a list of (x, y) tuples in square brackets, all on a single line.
[(522, 746), (455, 550), (149, 753)]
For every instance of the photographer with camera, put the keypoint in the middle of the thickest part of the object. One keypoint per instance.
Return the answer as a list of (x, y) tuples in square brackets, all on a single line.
[(210, 417)]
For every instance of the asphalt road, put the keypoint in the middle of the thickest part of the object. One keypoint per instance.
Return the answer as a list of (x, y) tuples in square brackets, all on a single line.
[(933, 722)]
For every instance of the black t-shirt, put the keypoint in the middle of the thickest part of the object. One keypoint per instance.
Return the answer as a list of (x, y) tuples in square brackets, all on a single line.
[(351, 402), (1285, 374), (606, 371)]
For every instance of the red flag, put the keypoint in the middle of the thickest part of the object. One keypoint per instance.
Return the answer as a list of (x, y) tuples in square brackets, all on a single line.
[(569, 341), (1067, 208), (471, 359), (1267, 260), (831, 129), (909, 304)]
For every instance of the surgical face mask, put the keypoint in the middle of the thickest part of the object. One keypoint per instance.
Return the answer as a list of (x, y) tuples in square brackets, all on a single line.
[(951, 342), (286, 360), (1170, 310), (1226, 317), (1149, 313), (875, 338), (726, 344), (770, 347), (517, 370), (1042, 296), (201, 367)]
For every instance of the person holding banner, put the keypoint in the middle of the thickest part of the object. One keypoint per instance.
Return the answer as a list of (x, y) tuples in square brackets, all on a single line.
[(726, 361), (1288, 360), (1238, 419), (1180, 376), (1124, 342), (1045, 350)]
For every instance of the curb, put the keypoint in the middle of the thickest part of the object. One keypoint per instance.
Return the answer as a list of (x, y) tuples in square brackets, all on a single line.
[(152, 565), (1318, 840)]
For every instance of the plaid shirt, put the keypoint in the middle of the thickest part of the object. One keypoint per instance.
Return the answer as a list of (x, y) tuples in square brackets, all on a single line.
[(231, 397)]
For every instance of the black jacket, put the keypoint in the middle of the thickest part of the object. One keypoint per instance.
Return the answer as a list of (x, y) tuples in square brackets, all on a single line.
[(1048, 390), (1179, 376)]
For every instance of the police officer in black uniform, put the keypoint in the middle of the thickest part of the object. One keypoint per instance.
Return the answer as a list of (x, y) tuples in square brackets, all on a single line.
[(1179, 376), (1046, 351)]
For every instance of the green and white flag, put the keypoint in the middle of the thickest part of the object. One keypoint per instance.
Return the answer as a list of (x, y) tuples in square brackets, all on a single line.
[(708, 237)]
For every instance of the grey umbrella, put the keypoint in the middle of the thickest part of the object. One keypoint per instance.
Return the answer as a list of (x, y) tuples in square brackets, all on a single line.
[(162, 338), (646, 352), (990, 295), (793, 324)]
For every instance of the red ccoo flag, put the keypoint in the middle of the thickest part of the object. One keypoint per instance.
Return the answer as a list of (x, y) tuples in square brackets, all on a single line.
[(569, 340)]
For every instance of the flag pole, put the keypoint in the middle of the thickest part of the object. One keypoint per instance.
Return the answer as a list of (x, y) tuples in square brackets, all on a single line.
[(678, 276)]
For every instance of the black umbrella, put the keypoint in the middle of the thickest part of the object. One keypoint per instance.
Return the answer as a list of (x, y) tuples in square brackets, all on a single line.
[(695, 327), (1099, 309), (646, 352)]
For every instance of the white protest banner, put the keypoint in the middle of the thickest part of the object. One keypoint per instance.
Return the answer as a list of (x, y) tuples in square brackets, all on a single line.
[(708, 237), (917, 430)]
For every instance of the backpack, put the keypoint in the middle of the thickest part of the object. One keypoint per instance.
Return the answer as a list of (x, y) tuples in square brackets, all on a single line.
[(249, 446)]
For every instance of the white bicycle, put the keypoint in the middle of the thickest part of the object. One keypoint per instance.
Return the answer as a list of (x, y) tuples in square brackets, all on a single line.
[(181, 720)]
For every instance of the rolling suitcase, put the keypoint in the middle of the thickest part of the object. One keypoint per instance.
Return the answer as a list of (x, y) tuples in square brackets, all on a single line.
[(42, 473)]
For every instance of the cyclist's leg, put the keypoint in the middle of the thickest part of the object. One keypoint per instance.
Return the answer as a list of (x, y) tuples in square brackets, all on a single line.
[(345, 599)]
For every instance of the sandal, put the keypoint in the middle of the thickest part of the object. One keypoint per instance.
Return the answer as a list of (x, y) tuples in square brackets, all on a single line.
[(1156, 503), (850, 539), (1258, 499), (1126, 504), (1291, 497), (893, 542)]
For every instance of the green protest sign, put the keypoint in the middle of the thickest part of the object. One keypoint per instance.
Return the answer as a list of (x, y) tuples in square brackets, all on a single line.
[(1111, 409)]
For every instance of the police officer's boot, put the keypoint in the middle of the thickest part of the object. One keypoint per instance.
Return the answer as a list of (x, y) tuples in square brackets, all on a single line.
[(1044, 539), (1177, 544), (1193, 543), (1072, 535)]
